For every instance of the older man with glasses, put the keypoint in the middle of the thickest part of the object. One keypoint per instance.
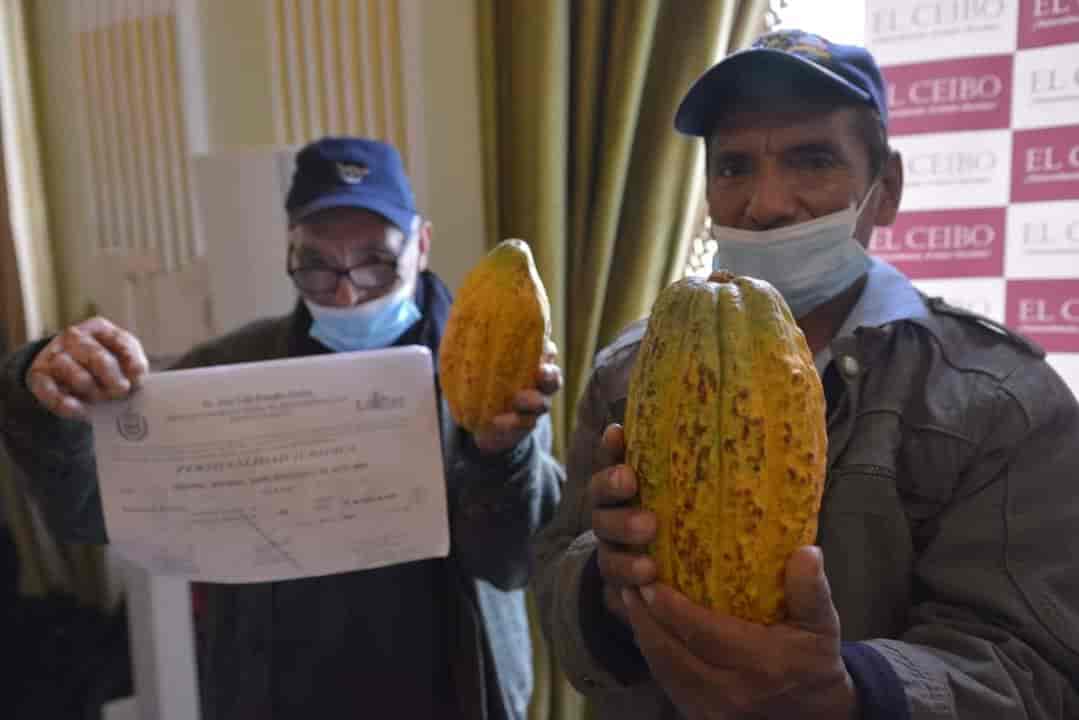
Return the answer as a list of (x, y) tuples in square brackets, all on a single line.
[(444, 638)]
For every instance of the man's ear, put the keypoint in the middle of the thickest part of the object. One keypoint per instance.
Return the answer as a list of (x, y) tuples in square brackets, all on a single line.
[(882, 210), (891, 190), (425, 245), (293, 240)]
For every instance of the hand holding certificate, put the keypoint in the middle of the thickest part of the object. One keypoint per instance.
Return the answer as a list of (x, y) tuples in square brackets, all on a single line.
[(276, 470)]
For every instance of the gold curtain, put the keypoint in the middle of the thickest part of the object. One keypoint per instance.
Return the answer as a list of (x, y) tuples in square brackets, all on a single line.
[(581, 159), (27, 209), (30, 303)]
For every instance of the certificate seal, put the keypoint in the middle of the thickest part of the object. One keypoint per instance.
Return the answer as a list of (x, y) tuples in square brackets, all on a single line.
[(132, 426)]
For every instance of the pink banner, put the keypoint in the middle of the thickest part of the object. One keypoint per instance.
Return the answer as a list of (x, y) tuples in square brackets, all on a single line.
[(1047, 311), (984, 109), (1045, 164), (944, 243), (969, 94), (1048, 22)]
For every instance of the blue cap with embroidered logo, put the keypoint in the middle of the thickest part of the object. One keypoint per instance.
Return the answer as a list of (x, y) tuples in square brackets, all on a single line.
[(351, 172), (789, 62)]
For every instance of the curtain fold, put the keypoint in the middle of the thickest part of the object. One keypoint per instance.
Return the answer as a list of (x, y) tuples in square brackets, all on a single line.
[(581, 159), (27, 210), (31, 306)]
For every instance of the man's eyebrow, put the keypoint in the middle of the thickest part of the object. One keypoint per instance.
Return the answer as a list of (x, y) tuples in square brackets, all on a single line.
[(823, 147), (307, 253), (815, 146)]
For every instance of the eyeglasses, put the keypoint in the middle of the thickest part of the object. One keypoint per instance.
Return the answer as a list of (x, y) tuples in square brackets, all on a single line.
[(369, 275)]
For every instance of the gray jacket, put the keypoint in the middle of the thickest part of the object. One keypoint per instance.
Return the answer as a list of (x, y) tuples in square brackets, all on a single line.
[(949, 526), (496, 505)]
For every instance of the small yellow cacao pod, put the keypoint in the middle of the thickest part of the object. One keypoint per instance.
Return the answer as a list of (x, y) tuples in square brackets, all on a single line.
[(497, 333)]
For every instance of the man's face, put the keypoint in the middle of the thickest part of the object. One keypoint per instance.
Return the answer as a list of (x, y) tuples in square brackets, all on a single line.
[(342, 238), (777, 167)]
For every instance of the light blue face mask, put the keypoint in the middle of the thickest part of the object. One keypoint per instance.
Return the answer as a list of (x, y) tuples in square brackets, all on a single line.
[(809, 263), (367, 326)]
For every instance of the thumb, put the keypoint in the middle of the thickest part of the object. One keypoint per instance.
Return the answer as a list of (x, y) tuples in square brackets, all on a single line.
[(809, 599)]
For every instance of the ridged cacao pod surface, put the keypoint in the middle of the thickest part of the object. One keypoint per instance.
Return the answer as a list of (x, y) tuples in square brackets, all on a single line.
[(497, 332), (725, 429)]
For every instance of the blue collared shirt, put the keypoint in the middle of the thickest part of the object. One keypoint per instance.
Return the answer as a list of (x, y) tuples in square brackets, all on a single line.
[(888, 296)]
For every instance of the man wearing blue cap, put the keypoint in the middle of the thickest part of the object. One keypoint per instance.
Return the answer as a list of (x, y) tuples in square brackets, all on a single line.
[(445, 638), (945, 578)]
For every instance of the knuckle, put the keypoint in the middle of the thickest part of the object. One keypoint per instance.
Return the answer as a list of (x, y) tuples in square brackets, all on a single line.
[(642, 569), (42, 391), (102, 358), (79, 381), (607, 525), (613, 568)]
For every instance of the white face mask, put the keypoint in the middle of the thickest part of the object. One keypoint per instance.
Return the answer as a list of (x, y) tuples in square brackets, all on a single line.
[(809, 263)]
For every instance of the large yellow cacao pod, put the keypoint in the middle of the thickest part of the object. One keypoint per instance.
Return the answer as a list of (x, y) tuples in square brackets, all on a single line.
[(498, 330), (725, 429)]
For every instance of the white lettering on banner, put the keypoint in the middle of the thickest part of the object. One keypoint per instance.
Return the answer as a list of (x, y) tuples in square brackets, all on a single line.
[(1043, 159), (948, 89), (950, 237), (926, 15), (1037, 311), (1054, 8), (883, 241), (1032, 311), (952, 163), (1040, 159)]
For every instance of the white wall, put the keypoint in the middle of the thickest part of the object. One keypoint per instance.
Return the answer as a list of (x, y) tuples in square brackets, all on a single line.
[(451, 189), (232, 43)]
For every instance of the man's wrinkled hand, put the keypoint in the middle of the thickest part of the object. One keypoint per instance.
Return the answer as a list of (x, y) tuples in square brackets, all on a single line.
[(90, 362), (529, 405), (717, 667), (623, 531)]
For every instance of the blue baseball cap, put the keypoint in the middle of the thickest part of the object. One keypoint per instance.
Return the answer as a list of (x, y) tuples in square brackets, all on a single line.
[(783, 62), (354, 172)]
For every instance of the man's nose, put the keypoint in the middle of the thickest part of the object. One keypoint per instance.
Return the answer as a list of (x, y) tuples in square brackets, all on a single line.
[(772, 202), (346, 294)]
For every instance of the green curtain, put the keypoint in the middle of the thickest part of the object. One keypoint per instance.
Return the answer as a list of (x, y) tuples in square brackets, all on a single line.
[(45, 565), (581, 160)]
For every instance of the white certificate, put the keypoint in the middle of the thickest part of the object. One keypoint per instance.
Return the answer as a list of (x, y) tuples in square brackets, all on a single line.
[(276, 470)]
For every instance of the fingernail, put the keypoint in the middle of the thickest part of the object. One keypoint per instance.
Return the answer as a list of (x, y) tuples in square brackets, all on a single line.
[(627, 597), (649, 594)]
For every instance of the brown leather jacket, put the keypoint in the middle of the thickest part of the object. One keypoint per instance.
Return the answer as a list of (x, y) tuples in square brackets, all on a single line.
[(950, 523)]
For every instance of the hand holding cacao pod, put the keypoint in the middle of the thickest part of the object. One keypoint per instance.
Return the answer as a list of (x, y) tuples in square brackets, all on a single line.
[(622, 528), (496, 356)]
